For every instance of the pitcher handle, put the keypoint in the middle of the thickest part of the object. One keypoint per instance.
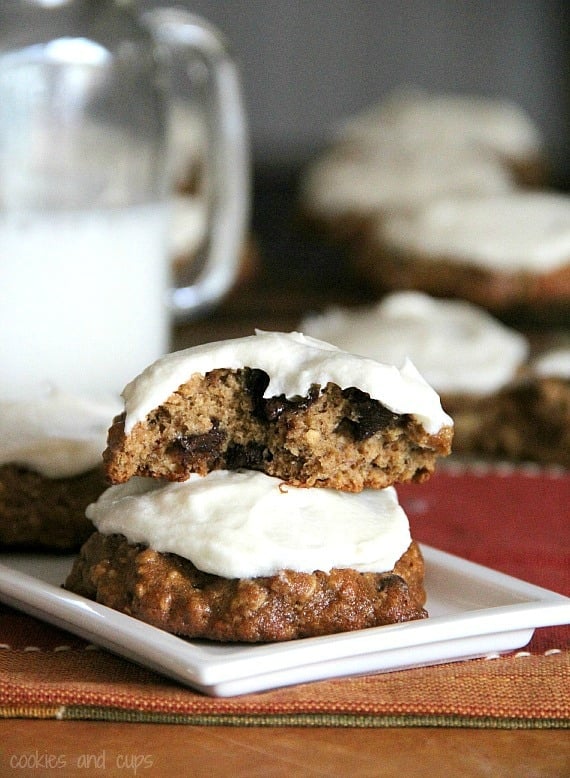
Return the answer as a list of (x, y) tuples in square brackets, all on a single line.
[(187, 34)]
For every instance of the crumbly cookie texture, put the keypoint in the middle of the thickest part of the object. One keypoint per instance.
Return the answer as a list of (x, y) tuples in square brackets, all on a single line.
[(336, 438), (46, 513), (168, 591)]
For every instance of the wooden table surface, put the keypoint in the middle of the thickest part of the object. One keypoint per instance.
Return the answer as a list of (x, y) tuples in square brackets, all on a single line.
[(101, 748), (288, 282)]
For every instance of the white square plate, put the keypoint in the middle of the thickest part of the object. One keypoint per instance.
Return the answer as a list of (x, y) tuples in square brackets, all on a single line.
[(474, 611)]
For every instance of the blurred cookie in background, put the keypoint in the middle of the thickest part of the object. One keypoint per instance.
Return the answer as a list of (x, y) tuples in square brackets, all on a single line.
[(414, 118), (190, 203), (187, 144), (530, 418), (51, 468), (413, 147), (509, 253), (347, 191)]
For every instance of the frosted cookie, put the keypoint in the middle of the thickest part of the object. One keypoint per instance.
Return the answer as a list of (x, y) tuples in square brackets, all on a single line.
[(290, 406), (50, 469), (344, 190), (530, 418), (494, 126), (237, 556), (503, 252), (463, 352), (412, 148)]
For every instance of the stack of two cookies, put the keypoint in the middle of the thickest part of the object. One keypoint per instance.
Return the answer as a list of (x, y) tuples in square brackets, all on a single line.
[(253, 495)]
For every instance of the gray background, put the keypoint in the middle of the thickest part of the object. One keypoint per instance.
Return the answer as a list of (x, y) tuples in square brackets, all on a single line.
[(307, 64)]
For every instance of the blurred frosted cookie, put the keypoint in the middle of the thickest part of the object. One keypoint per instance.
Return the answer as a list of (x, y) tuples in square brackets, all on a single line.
[(187, 230), (530, 418), (496, 127), (190, 203), (414, 147), (290, 406), (50, 469), (347, 189), (186, 148), (459, 348), (507, 253), (236, 556), (37, 512), (188, 241)]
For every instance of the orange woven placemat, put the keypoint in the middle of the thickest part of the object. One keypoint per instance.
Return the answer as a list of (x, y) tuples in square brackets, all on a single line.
[(516, 521)]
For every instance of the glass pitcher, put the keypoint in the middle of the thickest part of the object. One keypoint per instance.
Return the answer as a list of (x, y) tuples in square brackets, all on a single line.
[(86, 298)]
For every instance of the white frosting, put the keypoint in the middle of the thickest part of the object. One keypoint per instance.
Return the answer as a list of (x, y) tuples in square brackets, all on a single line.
[(55, 434), (293, 363), (188, 222), (244, 524), (554, 363), (456, 346), (393, 178), (414, 117), (517, 231)]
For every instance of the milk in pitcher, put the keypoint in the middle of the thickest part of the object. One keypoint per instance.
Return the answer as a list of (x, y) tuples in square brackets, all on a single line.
[(83, 298)]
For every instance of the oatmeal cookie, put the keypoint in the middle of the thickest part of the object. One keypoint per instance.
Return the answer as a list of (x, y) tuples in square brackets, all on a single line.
[(169, 592), (46, 513), (335, 438)]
